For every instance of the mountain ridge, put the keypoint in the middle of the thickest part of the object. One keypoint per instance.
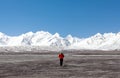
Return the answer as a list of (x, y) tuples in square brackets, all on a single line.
[(106, 41)]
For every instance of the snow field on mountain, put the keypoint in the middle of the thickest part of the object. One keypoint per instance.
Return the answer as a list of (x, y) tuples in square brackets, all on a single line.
[(46, 41)]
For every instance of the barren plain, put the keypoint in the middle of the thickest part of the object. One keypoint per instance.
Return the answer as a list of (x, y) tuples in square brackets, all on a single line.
[(77, 64)]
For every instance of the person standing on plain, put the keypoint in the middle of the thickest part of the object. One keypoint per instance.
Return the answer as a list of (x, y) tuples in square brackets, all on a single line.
[(61, 56)]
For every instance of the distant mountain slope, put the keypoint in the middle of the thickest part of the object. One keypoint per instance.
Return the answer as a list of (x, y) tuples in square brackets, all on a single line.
[(107, 41)]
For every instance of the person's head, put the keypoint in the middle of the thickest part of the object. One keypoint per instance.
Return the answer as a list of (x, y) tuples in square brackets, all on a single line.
[(61, 53)]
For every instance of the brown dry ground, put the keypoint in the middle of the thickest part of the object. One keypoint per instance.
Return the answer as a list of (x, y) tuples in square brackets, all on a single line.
[(77, 64)]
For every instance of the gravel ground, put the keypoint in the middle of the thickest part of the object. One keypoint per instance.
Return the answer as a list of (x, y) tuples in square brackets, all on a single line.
[(47, 66)]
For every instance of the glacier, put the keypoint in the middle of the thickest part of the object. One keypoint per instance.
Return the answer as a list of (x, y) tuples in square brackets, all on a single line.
[(42, 40)]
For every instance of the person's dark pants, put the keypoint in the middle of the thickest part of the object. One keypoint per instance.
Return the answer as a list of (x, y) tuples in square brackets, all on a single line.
[(61, 62)]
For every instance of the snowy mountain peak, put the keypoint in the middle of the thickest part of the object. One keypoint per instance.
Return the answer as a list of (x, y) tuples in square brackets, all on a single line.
[(69, 36), (56, 35), (2, 34), (98, 35), (29, 33), (42, 32)]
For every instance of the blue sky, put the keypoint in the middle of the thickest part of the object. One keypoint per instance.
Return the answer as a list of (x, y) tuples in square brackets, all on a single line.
[(80, 18)]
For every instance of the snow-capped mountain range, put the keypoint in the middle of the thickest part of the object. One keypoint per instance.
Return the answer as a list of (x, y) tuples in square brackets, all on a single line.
[(45, 40)]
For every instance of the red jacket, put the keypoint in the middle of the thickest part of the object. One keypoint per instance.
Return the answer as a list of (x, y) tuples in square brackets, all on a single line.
[(61, 56)]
